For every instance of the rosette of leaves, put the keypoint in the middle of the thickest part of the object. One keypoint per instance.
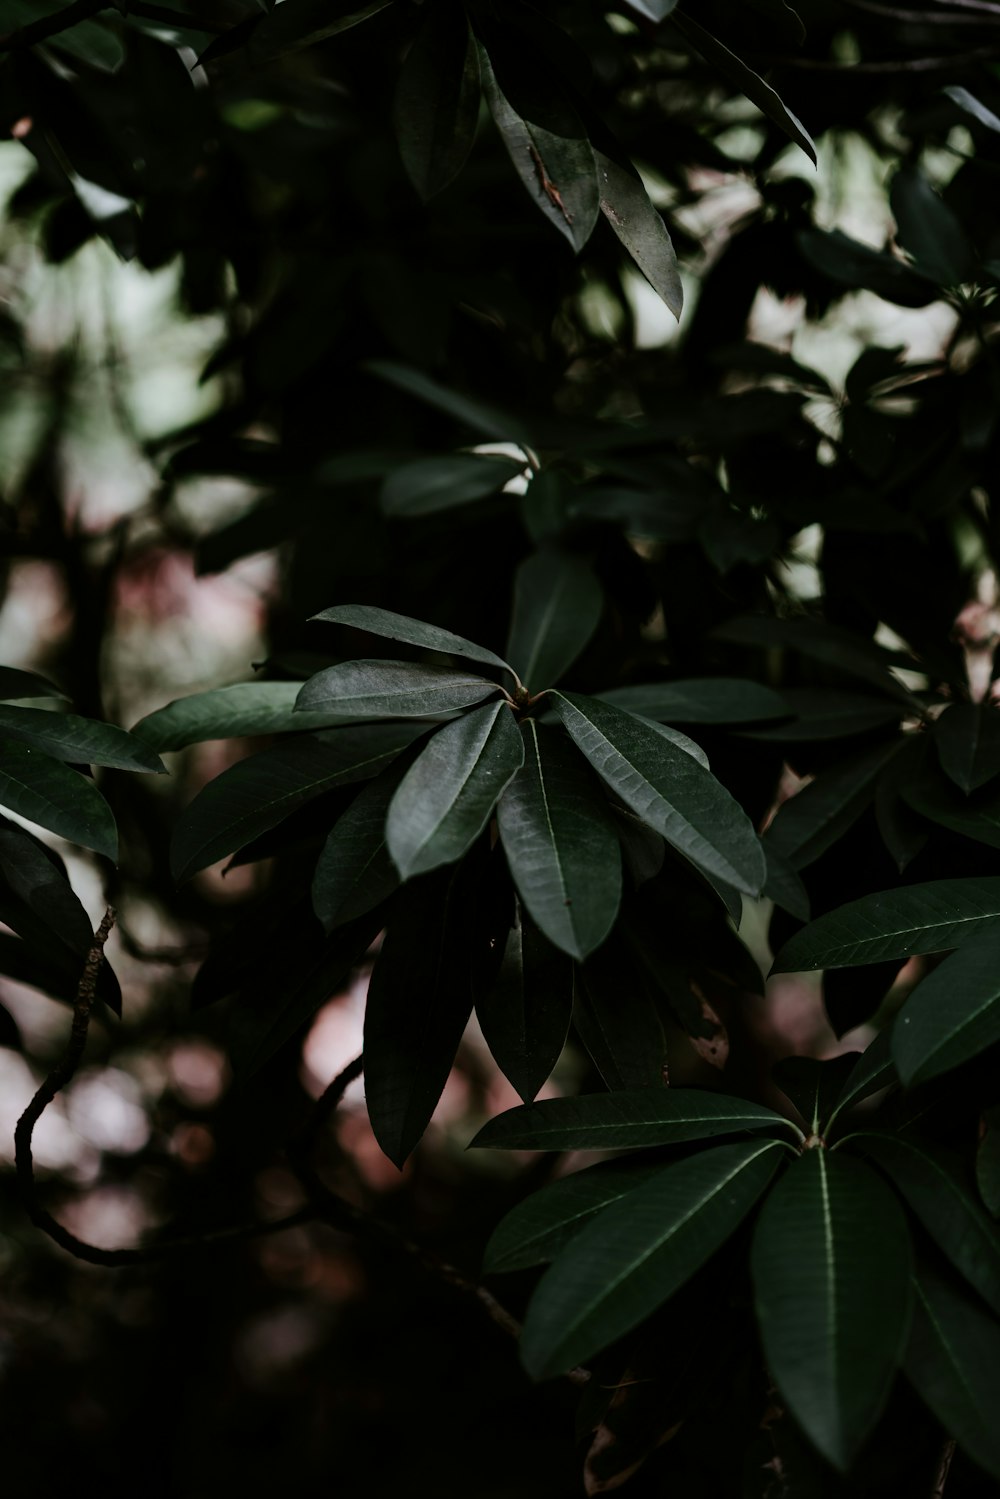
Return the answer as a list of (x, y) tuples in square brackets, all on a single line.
[(498, 826)]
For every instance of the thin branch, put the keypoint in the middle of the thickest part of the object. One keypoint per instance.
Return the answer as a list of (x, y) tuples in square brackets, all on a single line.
[(944, 1467)]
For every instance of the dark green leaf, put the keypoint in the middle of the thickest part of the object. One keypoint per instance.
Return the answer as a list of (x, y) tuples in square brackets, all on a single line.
[(959, 1228), (638, 224), (437, 99), (784, 886), (561, 844), (35, 877), (617, 1021), (242, 711), (850, 263), (668, 789), (412, 631), (953, 1014), (79, 740), (488, 421), (15, 683), (557, 606), (391, 689), (929, 230), (429, 485), (967, 737), (539, 1227), (638, 1251), (47, 792), (902, 830), (812, 820), (629, 1119), (824, 642), (935, 917), (53, 971), (302, 23), (831, 1269), (873, 1070), (812, 1085), (525, 1015), (260, 791), (354, 872), (700, 700), (447, 796), (821, 713)]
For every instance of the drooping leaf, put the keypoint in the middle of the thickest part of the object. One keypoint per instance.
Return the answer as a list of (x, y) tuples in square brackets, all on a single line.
[(426, 486), (46, 792), (15, 683), (850, 263), (260, 791), (821, 641), (953, 1014), (831, 1269), (812, 820), (488, 421), (448, 794), (52, 970), (668, 790), (639, 1250), (820, 713), (700, 700), (557, 606), (82, 741), (391, 689), (967, 738), (629, 1119), (958, 1226), (929, 230), (33, 875), (419, 1001), (413, 631), (561, 844), (638, 224), (933, 917), (873, 1070), (617, 1021), (437, 99), (539, 1227), (525, 1015), (242, 711), (354, 872), (747, 81), (297, 24), (784, 886), (952, 1360), (546, 142), (902, 830)]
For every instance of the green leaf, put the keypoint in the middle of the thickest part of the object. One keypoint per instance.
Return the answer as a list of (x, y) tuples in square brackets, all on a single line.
[(821, 713), (668, 789), (436, 107), (934, 917), (448, 794), (242, 711), (959, 1228), (354, 872), (812, 820), (850, 263), (15, 683), (487, 421), (952, 1361), (546, 142), (301, 23), (988, 1161), (976, 816), (539, 1227), (638, 224), (824, 642), (967, 737), (429, 485), (47, 792), (700, 700), (783, 885), (629, 1119), (953, 1014), (412, 631), (82, 741), (34, 875), (260, 791), (638, 1251), (812, 1085), (831, 1269), (525, 1015), (419, 1001), (873, 1070), (391, 689), (617, 1021), (561, 844), (903, 831), (557, 607), (929, 230), (747, 81)]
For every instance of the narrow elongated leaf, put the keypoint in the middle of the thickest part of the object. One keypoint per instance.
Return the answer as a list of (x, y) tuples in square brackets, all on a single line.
[(429, 485), (929, 230), (958, 1226), (820, 713), (873, 1070), (547, 144), (668, 790), (617, 1021), (303, 23), (525, 1016), (952, 1361), (627, 1120), (82, 741), (812, 821), (934, 917), (15, 683), (970, 105), (354, 872), (391, 689), (437, 100), (257, 793), (488, 421), (747, 81), (953, 1014), (33, 875), (539, 1227), (241, 711), (903, 831), (988, 1161), (967, 737), (850, 263), (557, 606), (638, 224), (824, 642), (412, 631), (47, 792), (638, 1251), (831, 1268), (700, 700), (419, 1002), (783, 885), (560, 842), (447, 796), (976, 816)]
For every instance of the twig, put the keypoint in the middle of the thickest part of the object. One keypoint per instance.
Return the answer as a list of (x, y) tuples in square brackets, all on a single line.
[(941, 1477)]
